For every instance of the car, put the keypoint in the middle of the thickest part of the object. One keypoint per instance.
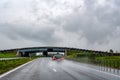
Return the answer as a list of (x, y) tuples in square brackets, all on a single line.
[(57, 58)]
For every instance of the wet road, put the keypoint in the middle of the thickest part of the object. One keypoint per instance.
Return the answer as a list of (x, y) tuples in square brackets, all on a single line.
[(46, 69)]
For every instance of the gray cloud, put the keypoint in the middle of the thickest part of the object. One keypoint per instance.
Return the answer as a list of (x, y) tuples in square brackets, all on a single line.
[(43, 35), (96, 24), (92, 24)]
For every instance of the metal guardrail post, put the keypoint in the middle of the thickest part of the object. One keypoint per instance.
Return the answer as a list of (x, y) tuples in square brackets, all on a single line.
[(113, 67), (110, 65), (107, 65), (117, 67), (103, 65)]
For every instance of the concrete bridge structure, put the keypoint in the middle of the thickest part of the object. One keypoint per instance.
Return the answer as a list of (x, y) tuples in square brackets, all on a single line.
[(26, 52)]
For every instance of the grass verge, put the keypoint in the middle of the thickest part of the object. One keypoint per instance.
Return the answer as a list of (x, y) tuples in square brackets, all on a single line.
[(7, 65), (7, 55), (109, 61), (104, 60)]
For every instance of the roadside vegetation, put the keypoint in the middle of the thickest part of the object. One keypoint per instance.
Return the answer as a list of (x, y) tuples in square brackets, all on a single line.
[(7, 54), (6, 65), (102, 59)]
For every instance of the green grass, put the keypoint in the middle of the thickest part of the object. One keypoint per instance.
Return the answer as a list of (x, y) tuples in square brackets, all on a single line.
[(10, 64), (83, 59), (109, 58), (88, 57), (7, 55), (74, 52), (109, 61)]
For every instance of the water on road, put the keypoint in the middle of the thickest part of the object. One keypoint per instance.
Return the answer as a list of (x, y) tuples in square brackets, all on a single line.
[(46, 69)]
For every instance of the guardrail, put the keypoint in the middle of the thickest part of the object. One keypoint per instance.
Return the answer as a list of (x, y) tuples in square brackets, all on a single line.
[(109, 66), (1, 59)]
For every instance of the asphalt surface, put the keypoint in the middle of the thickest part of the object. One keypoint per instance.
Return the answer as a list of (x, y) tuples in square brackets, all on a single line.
[(46, 69)]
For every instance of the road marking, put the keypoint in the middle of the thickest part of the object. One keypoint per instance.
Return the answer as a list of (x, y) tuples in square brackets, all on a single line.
[(85, 67), (54, 70), (50, 65), (15, 69), (101, 71)]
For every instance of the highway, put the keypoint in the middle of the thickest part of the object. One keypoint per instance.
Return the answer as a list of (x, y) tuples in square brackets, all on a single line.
[(46, 69)]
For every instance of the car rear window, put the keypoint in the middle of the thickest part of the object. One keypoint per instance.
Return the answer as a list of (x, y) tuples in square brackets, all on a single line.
[(58, 56)]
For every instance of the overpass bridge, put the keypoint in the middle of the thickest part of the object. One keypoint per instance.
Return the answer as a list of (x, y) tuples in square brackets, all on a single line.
[(26, 52)]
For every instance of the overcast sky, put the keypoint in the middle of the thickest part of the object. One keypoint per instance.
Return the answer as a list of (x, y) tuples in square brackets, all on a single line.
[(88, 24)]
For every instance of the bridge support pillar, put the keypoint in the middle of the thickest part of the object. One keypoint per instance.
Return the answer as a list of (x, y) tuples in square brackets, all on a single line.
[(65, 52), (18, 53)]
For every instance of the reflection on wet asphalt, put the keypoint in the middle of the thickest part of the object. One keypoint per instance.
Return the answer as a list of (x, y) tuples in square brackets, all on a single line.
[(46, 69)]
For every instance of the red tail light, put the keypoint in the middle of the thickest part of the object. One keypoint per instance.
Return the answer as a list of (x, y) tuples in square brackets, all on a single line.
[(62, 58), (54, 59)]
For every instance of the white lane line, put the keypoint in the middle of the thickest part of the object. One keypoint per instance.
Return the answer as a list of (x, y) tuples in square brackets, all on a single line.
[(54, 70), (14, 69), (49, 64)]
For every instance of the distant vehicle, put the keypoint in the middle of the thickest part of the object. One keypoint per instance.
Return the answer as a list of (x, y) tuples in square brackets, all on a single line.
[(57, 58)]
